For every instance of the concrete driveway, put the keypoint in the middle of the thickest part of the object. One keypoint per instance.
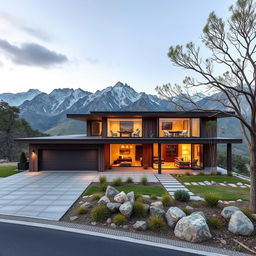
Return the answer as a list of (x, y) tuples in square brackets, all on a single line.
[(45, 195)]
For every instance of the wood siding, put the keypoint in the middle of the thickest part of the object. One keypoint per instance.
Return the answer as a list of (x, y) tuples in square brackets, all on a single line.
[(147, 154), (210, 155), (150, 127)]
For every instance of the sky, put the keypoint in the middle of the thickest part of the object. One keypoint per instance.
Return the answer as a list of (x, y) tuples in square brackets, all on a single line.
[(92, 44)]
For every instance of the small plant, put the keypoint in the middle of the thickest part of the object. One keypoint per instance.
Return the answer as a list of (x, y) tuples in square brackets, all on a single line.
[(96, 196), (156, 223), (201, 173), (182, 195), (211, 199), (102, 179), (167, 200), (139, 210), (194, 204), (120, 220), (103, 187), (187, 211), (82, 210), (141, 199), (144, 180), (219, 173), (229, 174), (153, 197), (23, 158), (117, 182), (187, 173), (248, 213), (129, 180), (145, 166), (138, 196), (100, 213), (213, 173), (215, 223)]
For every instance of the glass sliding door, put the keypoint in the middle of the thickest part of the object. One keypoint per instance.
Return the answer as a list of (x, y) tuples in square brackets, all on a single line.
[(197, 156)]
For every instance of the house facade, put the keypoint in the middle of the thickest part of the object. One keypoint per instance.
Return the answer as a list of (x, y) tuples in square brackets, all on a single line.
[(160, 140)]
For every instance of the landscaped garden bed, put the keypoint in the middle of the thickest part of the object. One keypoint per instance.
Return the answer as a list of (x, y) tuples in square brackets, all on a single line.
[(141, 207)]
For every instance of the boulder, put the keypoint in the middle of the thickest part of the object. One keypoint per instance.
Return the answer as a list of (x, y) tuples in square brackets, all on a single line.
[(192, 228), (87, 205), (157, 204), (113, 207), (113, 225), (200, 213), (72, 218), (109, 221), (189, 208), (131, 197), (120, 197), (126, 208), (104, 200), (153, 210), (140, 225), (173, 215), (228, 211), (240, 224), (111, 192), (146, 207)]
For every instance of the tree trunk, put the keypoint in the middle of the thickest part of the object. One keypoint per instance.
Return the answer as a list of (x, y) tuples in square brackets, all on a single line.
[(253, 176)]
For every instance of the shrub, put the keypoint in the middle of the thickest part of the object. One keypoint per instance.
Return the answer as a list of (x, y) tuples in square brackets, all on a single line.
[(248, 213), (182, 195), (96, 196), (187, 211), (129, 180), (211, 199), (103, 187), (167, 200), (141, 199), (153, 197), (139, 210), (144, 180), (102, 179), (138, 196), (156, 223), (23, 158), (100, 213), (229, 174), (215, 223), (120, 220), (117, 182), (82, 210)]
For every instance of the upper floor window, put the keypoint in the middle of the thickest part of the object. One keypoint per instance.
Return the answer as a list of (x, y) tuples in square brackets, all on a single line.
[(195, 127), (124, 127), (174, 127)]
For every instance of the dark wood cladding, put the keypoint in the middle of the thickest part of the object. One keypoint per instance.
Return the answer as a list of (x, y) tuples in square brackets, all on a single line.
[(147, 155), (104, 126), (210, 155), (206, 132), (149, 127), (106, 156)]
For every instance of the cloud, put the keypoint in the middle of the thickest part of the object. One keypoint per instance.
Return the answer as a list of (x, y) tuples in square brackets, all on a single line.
[(92, 60), (31, 54), (40, 34), (1, 64)]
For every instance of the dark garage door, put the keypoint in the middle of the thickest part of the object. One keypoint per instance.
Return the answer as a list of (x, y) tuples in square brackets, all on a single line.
[(68, 160)]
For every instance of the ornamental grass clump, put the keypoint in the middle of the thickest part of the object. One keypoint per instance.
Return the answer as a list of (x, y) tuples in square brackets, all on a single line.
[(156, 223), (100, 213), (82, 210), (103, 187), (139, 210), (129, 180), (187, 211), (102, 179), (211, 199), (144, 180), (120, 220), (248, 213), (96, 196), (181, 195), (215, 223), (153, 197), (117, 182), (167, 200)]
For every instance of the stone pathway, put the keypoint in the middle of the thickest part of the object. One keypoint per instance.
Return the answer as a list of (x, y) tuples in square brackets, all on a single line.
[(171, 185), (213, 183)]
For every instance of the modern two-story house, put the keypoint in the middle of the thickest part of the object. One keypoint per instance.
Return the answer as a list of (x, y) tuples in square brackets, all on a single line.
[(160, 140)]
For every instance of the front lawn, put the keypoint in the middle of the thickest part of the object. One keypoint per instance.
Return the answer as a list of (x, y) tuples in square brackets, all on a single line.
[(219, 179), (224, 193), (7, 170), (138, 189)]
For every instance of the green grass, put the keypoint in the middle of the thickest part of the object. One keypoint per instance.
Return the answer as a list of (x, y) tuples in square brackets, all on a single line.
[(219, 179), (139, 189), (224, 193), (6, 171)]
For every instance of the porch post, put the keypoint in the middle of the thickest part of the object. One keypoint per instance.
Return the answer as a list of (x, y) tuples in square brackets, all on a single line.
[(159, 158), (229, 158)]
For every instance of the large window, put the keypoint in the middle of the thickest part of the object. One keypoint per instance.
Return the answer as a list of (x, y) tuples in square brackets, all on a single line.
[(195, 123), (124, 127), (174, 127)]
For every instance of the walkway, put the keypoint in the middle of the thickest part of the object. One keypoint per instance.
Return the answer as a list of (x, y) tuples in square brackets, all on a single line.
[(172, 185)]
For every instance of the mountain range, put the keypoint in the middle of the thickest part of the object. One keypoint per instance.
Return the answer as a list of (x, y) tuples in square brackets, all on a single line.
[(47, 112)]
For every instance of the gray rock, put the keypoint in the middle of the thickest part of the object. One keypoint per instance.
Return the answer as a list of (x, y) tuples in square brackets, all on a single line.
[(153, 210), (113, 207), (111, 192), (146, 196), (72, 218), (87, 205), (126, 208), (200, 213), (157, 204), (239, 200), (213, 182), (113, 225), (109, 221), (93, 223), (239, 184), (228, 211), (104, 200), (189, 207), (173, 215), (120, 197), (125, 227), (140, 225), (131, 197), (192, 228), (240, 224), (146, 207)]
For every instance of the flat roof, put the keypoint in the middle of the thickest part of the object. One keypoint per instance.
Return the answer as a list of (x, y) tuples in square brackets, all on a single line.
[(97, 115), (83, 139)]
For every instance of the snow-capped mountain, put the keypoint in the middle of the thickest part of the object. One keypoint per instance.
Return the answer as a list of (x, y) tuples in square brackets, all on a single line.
[(16, 99)]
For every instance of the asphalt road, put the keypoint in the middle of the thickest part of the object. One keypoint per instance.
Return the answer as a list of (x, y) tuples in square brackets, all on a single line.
[(25, 241)]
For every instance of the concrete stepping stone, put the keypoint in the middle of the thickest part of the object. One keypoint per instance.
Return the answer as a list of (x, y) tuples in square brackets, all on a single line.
[(232, 185), (194, 183), (187, 183), (223, 184), (208, 183), (201, 183)]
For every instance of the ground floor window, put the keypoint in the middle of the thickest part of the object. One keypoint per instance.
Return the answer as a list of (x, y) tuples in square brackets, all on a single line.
[(126, 155), (179, 156)]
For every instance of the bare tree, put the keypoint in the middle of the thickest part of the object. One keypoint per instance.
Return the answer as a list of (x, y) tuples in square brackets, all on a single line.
[(229, 74)]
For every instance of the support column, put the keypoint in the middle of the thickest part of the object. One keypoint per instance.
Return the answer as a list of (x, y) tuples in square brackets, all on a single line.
[(229, 158), (159, 158)]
